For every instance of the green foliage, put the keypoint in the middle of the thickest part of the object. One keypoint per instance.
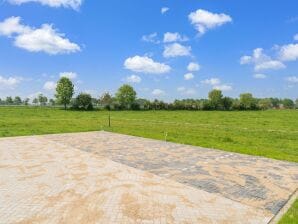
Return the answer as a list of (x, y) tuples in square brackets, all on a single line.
[(106, 100), (215, 99), (42, 100), (247, 101), (265, 104), (126, 96), (83, 102), (288, 103), (64, 91), (9, 100), (17, 100)]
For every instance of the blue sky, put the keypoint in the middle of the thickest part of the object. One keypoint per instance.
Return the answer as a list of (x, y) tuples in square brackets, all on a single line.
[(165, 49)]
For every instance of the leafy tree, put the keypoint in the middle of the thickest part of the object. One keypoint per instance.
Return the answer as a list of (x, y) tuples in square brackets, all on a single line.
[(296, 102), (42, 99), (106, 100), (17, 100), (26, 101), (215, 99), (35, 101), (227, 103), (126, 95), (247, 101), (64, 91), (52, 102), (83, 102), (275, 102), (288, 103), (264, 104), (9, 100)]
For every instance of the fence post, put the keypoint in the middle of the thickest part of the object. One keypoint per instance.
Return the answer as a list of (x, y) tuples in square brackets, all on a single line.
[(109, 119)]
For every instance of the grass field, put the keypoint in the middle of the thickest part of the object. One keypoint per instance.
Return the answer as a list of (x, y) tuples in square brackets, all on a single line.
[(272, 134)]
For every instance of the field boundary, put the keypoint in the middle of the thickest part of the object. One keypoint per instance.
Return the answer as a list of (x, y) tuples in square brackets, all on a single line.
[(275, 219)]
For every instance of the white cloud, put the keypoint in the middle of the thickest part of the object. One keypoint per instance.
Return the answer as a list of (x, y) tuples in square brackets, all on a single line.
[(186, 91), (293, 79), (163, 10), (70, 75), (146, 65), (74, 4), (151, 38), (10, 82), (175, 50), (223, 87), (259, 76), (204, 20), (261, 61), (44, 39), (133, 79), (212, 81), (158, 92), (296, 37), (11, 26), (173, 37), (193, 67), (289, 52), (188, 76), (49, 86)]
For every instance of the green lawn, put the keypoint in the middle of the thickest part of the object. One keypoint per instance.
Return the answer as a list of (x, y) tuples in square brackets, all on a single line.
[(291, 217), (273, 134)]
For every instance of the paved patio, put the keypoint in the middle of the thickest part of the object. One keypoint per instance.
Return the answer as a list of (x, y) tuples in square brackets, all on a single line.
[(101, 177)]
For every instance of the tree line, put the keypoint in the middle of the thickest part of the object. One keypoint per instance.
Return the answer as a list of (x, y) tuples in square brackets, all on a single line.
[(126, 99)]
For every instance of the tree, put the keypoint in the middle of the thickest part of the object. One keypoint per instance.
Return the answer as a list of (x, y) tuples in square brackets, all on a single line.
[(83, 102), (42, 99), (265, 104), (288, 103), (227, 103), (126, 96), (9, 100), (106, 100), (215, 98), (52, 102), (26, 101), (64, 91), (247, 101), (35, 101), (296, 102), (17, 100)]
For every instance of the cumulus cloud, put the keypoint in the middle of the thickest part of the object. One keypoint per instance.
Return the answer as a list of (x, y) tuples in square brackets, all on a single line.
[(146, 65), (44, 39), (163, 10), (151, 38), (74, 4), (223, 87), (188, 76), (173, 37), (289, 52), (292, 79), (186, 91), (133, 79), (9, 82), (261, 61), (158, 92), (70, 75), (193, 67), (216, 84), (259, 76), (204, 20), (49, 86), (212, 81), (176, 50)]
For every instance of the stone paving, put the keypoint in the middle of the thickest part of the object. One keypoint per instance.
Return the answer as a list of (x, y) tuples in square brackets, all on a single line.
[(101, 177)]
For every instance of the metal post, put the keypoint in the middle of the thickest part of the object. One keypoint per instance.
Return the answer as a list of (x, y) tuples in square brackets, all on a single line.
[(109, 119)]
